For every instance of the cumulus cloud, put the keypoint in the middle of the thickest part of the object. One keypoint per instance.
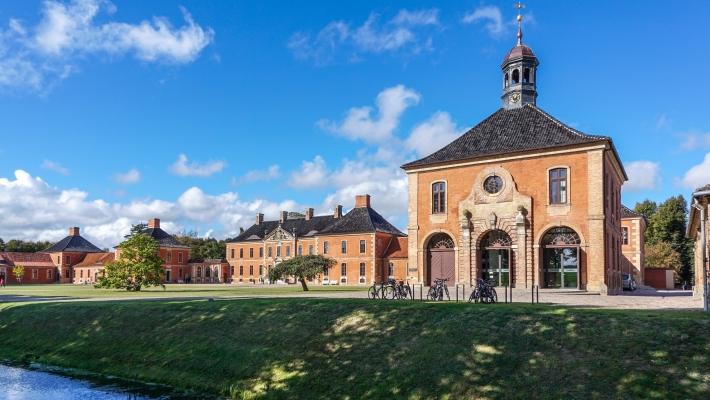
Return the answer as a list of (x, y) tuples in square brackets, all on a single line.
[(311, 174), (405, 32), (698, 175), (182, 167), (360, 124), (643, 175), (55, 166), (32, 209), (433, 134), (36, 57), (129, 177), (491, 17), (259, 175)]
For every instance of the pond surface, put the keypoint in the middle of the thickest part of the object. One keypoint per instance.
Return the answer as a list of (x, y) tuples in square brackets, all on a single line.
[(24, 384)]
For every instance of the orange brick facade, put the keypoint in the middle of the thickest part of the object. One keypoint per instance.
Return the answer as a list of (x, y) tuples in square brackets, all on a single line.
[(633, 229)]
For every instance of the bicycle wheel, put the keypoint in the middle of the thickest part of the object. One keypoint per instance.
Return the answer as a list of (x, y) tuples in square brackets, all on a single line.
[(431, 295), (388, 292), (475, 294), (446, 291), (493, 296), (372, 293), (407, 293)]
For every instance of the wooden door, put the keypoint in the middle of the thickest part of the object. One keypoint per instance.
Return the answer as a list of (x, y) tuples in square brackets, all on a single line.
[(441, 265)]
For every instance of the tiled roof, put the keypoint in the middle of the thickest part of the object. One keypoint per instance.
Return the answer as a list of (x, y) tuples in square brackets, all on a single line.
[(509, 131), (74, 244), (626, 212), (300, 226), (361, 219), (163, 238), (26, 259), (97, 259), (703, 188)]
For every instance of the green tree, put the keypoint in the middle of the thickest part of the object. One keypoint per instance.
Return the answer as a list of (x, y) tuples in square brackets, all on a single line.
[(201, 248), (19, 272), (647, 208), (301, 268), (662, 255), (668, 225), (137, 266), (26, 246), (137, 229)]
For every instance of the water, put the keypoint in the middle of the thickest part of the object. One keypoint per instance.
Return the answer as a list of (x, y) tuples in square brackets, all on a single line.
[(23, 384)]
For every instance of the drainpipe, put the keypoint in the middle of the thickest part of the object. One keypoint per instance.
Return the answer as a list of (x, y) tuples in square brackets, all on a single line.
[(703, 245)]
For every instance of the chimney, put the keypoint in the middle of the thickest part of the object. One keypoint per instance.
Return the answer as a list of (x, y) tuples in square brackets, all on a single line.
[(154, 223), (338, 212), (284, 216), (259, 218), (362, 200), (74, 231), (309, 213)]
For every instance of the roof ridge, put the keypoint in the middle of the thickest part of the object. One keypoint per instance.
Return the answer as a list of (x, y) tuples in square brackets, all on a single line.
[(563, 125)]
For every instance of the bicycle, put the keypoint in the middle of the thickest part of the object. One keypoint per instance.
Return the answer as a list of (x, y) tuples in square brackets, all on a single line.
[(438, 290), (402, 291), (483, 292), (374, 292)]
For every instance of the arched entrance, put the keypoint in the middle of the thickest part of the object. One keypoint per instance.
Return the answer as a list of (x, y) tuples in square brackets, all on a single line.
[(441, 258), (496, 259), (560, 258)]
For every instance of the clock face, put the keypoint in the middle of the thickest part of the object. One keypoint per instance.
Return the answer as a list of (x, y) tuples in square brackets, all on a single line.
[(514, 97)]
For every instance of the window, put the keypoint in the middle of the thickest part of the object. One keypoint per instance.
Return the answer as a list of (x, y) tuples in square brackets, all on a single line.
[(625, 236), (506, 79), (493, 184), (278, 251), (343, 269), (68, 258), (251, 252), (180, 257), (327, 272), (438, 198), (49, 274), (362, 246), (326, 247), (526, 75), (241, 253), (251, 270), (232, 253), (269, 251), (34, 274), (241, 270), (169, 256), (391, 269), (558, 186), (66, 273), (310, 250), (516, 76), (300, 250), (199, 272), (207, 272), (343, 246), (261, 270), (261, 252), (59, 260), (362, 269), (288, 251), (231, 270), (81, 273)]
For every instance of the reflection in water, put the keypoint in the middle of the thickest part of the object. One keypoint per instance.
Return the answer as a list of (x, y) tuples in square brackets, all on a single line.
[(22, 384)]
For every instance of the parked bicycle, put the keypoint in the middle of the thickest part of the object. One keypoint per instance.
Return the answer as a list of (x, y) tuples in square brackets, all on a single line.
[(438, 290), (375, 291), (484, 292)]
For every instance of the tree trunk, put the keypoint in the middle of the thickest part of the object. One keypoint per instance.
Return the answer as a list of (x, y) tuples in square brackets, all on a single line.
[(303, 284)]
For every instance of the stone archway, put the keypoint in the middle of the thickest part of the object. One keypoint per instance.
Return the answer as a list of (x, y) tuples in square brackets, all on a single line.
[(561, 255), (496, 258), (441, 260)]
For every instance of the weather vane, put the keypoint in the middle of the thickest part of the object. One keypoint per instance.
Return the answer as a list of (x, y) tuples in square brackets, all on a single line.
[(520, 6)]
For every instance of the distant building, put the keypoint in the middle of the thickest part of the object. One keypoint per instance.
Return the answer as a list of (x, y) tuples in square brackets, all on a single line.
[(209, 271), (39, 267), (89, 270), (697, 223), (633, 243), (365, 245), (69, 252)]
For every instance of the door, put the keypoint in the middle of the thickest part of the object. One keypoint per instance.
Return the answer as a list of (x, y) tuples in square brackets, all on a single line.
[(167, 275), (561, 267), (496, 266), (441, 265)]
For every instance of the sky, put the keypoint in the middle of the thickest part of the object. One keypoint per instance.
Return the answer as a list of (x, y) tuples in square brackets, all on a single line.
[(203, 113)]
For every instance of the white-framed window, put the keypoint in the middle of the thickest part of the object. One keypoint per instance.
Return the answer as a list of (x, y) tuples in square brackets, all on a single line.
[(625, 236), (438, 197), (34, 274), (362, 273), (343, 247), (362, 247), (558, 185), (326, 247), (169, 256), (310, 250)]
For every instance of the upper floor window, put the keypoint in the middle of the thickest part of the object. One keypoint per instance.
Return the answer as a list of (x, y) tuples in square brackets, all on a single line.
[(625, 235), (261, 252), (343, 247), (180, 257), (288, 251), (278, 251), (362, 246), (169, 256), (310, 250), (526, 75), (241, 253), (438, 197), (251, 252), (269, 252), (232, 253), (558, 186), (326, 247), (516, 76)]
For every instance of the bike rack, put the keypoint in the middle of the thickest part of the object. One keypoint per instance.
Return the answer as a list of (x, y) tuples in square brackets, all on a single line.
[(506, 293), (535, 294), (463, 291), (421, 290)]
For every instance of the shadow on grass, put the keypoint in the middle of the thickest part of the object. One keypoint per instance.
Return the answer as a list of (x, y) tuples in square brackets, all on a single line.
[(360, 349)]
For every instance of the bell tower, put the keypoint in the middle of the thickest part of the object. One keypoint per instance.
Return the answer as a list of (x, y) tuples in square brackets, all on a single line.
[(519, 72)]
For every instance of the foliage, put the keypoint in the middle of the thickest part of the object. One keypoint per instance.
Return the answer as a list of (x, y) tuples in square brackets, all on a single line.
[(24, 246), (203, 248), (301, 268), (19, 272), (137, 266), (137, 229), (662, 255)]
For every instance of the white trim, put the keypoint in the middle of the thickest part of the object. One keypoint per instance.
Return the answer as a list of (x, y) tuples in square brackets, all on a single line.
[(446, 197), (568, 188)]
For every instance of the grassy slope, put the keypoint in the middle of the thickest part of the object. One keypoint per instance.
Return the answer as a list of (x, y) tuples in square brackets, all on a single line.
[(338, 349)]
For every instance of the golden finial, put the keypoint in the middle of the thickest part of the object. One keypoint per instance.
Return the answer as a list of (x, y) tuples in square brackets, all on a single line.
[(520, 6)]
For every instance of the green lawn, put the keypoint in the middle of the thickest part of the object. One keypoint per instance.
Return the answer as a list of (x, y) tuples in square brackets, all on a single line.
[(361, 349), (171, 290)]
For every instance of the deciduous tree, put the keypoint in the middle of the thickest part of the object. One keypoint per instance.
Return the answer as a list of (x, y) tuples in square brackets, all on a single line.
[(137, 266), (301, 268), (662, 255), (19, 272)]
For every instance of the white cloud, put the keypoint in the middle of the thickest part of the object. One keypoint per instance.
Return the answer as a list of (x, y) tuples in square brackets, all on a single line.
[(405, 32), (695, 140), (129, 177), (698, 175), (663, 122), (182, 167), (34, 210), (490, 15), (40, 56), (643, 175), (433, 134), (55, 166), (259, 175), (360, 124), (312, 174)]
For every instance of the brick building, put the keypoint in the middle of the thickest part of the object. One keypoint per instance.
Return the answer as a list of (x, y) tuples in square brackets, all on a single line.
[(699, 232), (633, 243), (209, 271), (365, 245), (39, 267), (91, 268), (69, 252), (520, 198)]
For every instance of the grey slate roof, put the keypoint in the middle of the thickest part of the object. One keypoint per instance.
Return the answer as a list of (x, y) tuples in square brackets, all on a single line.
[(163, 238), (300, 226), (509, 131), (74, 244), (362, 219), (703, 188), (626, 212)]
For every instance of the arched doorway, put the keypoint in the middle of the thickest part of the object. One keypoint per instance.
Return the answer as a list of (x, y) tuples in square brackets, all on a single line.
[(496, 258), (440, 258), (560, 258)]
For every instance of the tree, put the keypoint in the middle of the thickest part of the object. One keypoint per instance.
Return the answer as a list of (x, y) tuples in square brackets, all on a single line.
[(138, 265), (19, 272), (662, 255), (647, 208), (668, 226), (201, 248), (2, 245), (301, 268), (25, 246), (137, 229)]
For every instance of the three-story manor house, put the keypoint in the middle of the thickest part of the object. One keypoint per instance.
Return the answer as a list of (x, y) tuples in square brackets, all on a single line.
[(521, 198)]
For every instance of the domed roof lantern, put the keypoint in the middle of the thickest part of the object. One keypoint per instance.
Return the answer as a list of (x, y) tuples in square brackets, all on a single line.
[(519, 67)]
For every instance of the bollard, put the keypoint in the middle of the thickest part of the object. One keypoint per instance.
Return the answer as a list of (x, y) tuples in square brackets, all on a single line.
[(511, 295), (532, 295), (463, 291)]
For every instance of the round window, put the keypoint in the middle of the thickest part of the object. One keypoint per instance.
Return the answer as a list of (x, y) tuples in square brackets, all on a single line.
[(493, 184)]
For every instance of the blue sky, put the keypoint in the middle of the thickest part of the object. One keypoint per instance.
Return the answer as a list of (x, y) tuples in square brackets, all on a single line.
[(205, 112)]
